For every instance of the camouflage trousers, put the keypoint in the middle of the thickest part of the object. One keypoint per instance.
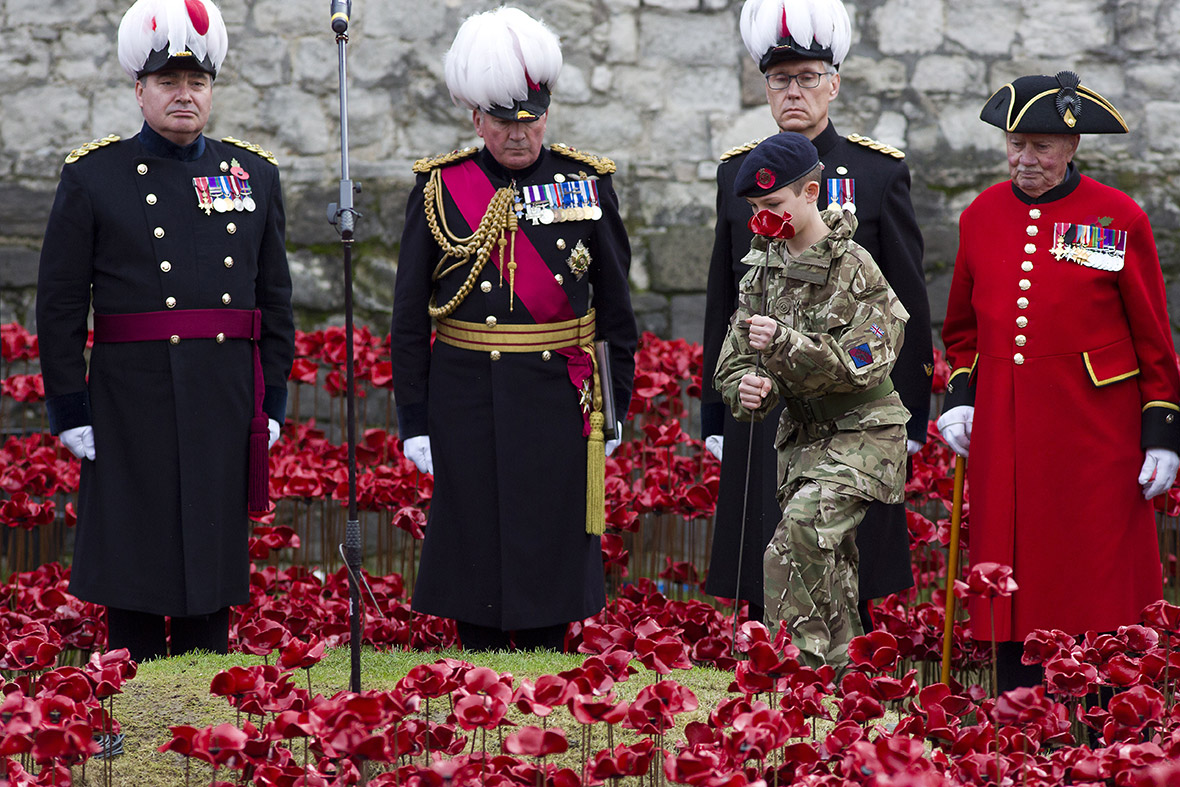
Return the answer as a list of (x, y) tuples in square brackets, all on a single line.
[(809, 571)]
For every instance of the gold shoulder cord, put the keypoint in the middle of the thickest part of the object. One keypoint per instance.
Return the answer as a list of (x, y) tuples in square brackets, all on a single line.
[(497, 222)]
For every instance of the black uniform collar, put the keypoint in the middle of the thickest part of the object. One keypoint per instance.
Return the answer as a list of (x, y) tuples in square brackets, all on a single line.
[(494, 168), (159, 146), (826, 140), (1063, 189)]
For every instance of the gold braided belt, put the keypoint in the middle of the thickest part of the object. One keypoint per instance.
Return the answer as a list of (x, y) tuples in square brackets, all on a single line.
[(545, 337), (514, 338)]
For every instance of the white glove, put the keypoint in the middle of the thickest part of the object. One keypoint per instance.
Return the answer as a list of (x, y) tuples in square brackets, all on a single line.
[(714, 443), (611, 445), (955, 427), (417, 450), (79, 441), (273, 427), (912, 446), (1160, 463)]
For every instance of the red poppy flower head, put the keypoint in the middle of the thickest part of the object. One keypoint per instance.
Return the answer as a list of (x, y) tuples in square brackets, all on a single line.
[(771, 225)]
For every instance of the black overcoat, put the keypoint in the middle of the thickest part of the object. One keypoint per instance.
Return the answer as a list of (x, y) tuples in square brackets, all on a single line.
[(888, 229), (162, 523), (506, 543)]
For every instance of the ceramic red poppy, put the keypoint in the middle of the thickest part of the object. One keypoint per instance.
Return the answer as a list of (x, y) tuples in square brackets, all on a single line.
[(772, 225)]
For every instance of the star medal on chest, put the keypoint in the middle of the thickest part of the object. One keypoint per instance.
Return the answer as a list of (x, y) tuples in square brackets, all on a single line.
[(842, 194), (1090, 245), (579, 260)]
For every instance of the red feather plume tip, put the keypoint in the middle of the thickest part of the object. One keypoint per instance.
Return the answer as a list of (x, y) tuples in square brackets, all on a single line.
[(198, 15), (771, 225), (785, 33)]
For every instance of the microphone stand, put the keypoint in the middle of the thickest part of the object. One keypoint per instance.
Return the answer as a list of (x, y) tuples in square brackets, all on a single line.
[(343, 216)]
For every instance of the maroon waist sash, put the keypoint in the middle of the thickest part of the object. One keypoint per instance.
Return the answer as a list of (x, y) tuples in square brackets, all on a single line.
[(176, 326)]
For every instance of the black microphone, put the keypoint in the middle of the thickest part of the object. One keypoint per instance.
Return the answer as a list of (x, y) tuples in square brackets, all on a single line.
[(341, 10)]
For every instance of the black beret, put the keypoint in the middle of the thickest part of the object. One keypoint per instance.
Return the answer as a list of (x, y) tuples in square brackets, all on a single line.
[(777, 162), (525, 110), (1043, 104)]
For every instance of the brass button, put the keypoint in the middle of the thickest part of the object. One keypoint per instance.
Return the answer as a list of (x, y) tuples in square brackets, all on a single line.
[(495, 355), (165, 266), (141, 169), (1025, 284), (231, 228), (1032, 230), (220, 338), (561, 243), (491, 321), (1021, 321), (1169, 418), (174, 339), (1026, 266), (841, 170), (158, 232), (485, 286), (1018, 359), (546, 355), (150, 199), (559, 178), (226, 299), (1034, 213), (1030, 248), (229, 262), (1022, 303), (1021, 340), (170, 302), (224, 167), (559, 278)]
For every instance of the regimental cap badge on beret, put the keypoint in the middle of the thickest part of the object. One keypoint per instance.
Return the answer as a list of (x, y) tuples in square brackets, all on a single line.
[(183, 34), (505, 63), (777, 30), (1059, 104), (777, 162)]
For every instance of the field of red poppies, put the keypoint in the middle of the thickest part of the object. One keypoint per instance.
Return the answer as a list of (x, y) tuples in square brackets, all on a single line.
[(58, 681)]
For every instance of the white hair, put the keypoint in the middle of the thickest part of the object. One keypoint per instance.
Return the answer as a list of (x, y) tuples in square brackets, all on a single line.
[(494, 56), (150, 25), (823, 21)]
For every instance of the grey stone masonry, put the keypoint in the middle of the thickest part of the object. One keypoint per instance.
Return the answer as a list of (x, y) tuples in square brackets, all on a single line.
[(664, 87)]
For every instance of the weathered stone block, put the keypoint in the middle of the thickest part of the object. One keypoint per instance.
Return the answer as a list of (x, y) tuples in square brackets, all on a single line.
[(18, 267), (954, 75), (680, 258), (904, 26), (688, 317), (687, 39)]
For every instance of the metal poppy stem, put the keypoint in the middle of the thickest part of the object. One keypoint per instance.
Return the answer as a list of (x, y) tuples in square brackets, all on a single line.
[(952, 567), (737, 599)]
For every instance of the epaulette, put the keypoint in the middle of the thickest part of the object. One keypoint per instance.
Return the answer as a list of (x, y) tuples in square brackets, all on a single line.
[(427, 164), (740, 149), (250, 146), (873, 144), (602, 165), (78, 153)]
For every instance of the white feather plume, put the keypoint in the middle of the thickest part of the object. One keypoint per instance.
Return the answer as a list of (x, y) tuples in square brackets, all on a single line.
[(823, 21), (150, 25), (495, 54)]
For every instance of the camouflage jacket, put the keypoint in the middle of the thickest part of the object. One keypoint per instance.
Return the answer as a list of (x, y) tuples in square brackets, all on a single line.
[(840, 330)]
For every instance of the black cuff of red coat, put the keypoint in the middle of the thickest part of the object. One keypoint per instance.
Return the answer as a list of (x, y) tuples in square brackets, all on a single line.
[(1161, 427), (68, 411), (960, 390), (712, 419), (274, 402), (411, 420)]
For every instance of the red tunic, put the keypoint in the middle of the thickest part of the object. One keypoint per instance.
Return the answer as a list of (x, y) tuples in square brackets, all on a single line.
[(1074, 374)]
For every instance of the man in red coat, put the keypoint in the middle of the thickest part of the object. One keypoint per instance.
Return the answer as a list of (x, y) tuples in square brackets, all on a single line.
[(1057, 333)]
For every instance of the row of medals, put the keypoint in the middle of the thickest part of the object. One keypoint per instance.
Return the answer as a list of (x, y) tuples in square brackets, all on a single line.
[(541, 211), (239, 198)]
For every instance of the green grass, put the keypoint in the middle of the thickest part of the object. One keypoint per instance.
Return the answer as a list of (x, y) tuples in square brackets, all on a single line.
[(170, 692)]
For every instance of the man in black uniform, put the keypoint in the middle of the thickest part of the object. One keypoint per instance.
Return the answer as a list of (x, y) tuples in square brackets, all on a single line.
[(861, 175), (178, 241), (518, 253)]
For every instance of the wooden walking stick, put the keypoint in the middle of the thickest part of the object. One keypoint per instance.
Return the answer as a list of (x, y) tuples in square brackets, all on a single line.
[(952, 566)]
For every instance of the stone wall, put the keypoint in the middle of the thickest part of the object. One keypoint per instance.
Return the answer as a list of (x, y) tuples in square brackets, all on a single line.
[(661, 86)]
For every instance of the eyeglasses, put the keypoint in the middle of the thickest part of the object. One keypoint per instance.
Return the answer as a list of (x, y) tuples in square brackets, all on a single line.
[(806, 79)]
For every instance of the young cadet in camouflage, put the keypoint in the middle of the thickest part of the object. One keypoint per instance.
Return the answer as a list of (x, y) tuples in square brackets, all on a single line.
[(829, 329)]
